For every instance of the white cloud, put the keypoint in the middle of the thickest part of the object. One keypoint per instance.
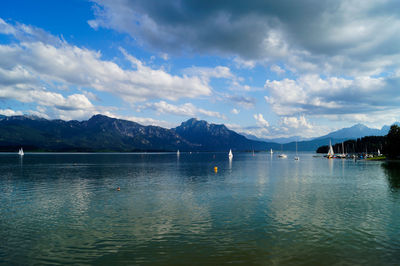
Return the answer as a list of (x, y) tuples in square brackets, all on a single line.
[(235, 111), (242, 63), (39, 114), (36, 62), (261, 121), (187, 109), (296, 122), (277, 69), (206, 73), (164, 56), (219, 72), (286, 127), (9, 112), (313, 95)]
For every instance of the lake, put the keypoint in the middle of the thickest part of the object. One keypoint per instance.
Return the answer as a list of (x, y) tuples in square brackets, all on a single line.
[(65, 209)]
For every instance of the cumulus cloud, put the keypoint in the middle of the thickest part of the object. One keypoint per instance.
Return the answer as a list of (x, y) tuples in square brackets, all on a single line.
[(296, 122), (36, 64), (29, 63), (277, 69), (287, 126), (260, 120), (235, 111), (218, 72), (242, 63), (313, 95), (9, 112), (187, 109)]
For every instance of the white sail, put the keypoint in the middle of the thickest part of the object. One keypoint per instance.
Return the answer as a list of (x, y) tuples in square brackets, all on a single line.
[(271, 151), (296, 158), (230, 154), (330, 152), (21, 152), (379, 153), (178, 153)]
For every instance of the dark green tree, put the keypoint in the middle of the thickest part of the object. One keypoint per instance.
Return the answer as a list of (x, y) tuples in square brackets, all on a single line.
[(393, 142)]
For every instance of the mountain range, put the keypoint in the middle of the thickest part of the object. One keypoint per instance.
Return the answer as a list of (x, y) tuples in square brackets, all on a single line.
[(102, 133), (354, 132)]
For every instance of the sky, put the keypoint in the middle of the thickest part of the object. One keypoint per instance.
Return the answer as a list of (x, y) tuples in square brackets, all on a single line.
[(267, 68)]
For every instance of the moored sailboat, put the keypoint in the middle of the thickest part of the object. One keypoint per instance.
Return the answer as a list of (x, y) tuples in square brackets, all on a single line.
[(330, 152), (343, 155), (21, 152), (296, 158), (282, 155), (230, 154)]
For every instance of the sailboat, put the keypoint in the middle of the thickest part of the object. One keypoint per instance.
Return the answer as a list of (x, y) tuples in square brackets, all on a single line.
[(272, 152), (330, 152), (178, 153), (230, 154), (282, 155), (343, 155), (21, 152), (296, 158), (379, 153)]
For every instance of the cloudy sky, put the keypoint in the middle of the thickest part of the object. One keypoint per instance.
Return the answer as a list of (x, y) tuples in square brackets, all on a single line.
[(269, 68)]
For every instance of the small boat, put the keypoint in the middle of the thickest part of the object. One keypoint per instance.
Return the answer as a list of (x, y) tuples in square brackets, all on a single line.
[(272, 152), (330, 152), (178, 153), (343, 155), (379, 153), (21, 152), (296, 158), (282, 155), (230, 154)]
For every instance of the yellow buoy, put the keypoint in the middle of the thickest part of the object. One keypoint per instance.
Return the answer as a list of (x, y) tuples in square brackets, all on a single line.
[(215, 169)]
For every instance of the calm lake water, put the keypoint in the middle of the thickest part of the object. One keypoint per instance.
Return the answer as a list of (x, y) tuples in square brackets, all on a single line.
[(64, 208)]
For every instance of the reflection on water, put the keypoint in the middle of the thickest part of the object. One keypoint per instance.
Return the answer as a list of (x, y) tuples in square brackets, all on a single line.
[(65, 209), (392, 171)]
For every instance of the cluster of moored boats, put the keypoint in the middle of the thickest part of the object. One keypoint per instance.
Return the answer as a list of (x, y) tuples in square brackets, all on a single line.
[(343, 155)]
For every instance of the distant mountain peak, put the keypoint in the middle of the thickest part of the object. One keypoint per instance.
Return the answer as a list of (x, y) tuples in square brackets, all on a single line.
[(192, 121), (100, 117), (359, 126), (195, 123)]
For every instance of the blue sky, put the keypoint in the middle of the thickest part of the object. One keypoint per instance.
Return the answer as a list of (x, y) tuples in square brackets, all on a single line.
[(267, 68)]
